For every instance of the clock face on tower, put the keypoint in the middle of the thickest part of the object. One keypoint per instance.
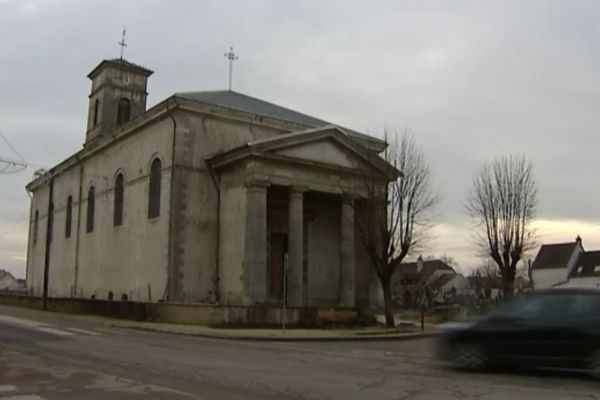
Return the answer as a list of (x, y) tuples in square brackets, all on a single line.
[(126, 79)]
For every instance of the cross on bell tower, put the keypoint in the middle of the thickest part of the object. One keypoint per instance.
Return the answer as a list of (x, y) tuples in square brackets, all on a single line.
[(122, 43), (231, 57)]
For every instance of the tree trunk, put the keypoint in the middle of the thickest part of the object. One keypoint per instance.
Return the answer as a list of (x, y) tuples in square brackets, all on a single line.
[(508, 285), (387, 304)]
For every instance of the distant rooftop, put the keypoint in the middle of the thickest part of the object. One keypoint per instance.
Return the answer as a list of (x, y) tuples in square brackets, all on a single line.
[(241, 102), (554, 255), (408, 271), (588, 264)]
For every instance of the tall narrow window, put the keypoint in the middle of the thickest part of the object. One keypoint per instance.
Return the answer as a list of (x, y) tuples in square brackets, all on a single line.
[(69, 217), (96, 110), (36, 219), (91, 204), (118, 206), (50, 222), (154, 192), (123, 111)]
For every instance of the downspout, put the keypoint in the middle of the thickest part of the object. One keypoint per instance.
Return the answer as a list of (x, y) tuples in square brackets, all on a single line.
[(49, 223), (217, 184), (171, 208), (28, 269), (76, 273)]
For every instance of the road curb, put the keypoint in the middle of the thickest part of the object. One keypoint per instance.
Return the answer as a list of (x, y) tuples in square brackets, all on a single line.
[(251, 338)]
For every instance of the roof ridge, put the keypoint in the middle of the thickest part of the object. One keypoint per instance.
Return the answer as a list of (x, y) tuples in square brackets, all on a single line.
[(257, 99), (560, 244), (271, 110)]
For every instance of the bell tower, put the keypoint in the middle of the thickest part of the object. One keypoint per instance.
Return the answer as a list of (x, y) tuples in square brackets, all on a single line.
[(118, 95)]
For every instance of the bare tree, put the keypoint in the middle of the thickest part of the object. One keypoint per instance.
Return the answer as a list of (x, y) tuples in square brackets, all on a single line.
[(394, 217), (503, 203), (484, 279)]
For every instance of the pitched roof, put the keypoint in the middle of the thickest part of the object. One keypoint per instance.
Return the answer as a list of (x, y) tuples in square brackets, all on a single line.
[(586, 265), (4, 274), (121, 63), (241, 102), (441, 280), (554, 255), (408, 271)]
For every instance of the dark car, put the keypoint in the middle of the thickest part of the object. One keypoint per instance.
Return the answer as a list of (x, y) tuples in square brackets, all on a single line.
[(554, 328)]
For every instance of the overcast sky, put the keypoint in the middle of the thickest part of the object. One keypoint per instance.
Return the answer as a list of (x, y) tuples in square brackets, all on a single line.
[(469, 79)]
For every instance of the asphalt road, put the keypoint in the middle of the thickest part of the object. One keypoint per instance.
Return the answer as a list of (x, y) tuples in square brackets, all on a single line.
[(54, 359)]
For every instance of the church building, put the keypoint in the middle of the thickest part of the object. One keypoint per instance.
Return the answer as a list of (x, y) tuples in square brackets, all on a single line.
[(204, 198)]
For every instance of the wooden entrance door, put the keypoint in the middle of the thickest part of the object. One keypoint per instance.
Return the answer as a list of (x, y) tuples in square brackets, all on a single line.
[(277, 249)]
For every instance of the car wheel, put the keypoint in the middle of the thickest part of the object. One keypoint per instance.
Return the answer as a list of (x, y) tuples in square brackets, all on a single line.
[(471, 357), (594, 364)]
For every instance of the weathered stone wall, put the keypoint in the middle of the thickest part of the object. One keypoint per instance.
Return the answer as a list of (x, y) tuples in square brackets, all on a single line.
[(108, 87), (37, 240), (195, 226), (129, 259), (175, 255), (322, 215), (175, 313)]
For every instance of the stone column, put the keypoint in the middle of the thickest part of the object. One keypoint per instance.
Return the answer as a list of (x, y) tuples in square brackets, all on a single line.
[(295, 274), (255, 248), (347, 255)]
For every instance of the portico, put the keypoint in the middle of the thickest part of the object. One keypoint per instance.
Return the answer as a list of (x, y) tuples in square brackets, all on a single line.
[(295, 194)]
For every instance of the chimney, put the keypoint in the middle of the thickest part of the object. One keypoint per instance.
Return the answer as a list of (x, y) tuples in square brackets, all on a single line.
[(419, 264), (578, 240)]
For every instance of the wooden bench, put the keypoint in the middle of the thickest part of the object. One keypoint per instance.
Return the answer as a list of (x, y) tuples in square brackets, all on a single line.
[(333, 316)]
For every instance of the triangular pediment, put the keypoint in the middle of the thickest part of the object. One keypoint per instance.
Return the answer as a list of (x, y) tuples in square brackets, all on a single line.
[(325, 146), (325, 151)]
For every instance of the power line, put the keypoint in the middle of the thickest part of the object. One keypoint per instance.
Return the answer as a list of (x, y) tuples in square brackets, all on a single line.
[(13, 148), (10, 166)]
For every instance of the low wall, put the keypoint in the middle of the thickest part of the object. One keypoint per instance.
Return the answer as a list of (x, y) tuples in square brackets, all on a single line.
[(176, 313)]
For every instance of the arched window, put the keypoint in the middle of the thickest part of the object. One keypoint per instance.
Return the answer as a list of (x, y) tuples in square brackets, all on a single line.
[(154, 192), (123, 111), (68, 220), (96, 110), (91, 203), (36, 219), (118, 206)]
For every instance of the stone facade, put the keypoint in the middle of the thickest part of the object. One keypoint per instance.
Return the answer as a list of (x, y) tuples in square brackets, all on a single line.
[(246, 188)]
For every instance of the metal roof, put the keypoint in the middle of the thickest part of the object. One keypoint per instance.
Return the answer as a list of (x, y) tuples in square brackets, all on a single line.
[(241, 102), (408, 271)]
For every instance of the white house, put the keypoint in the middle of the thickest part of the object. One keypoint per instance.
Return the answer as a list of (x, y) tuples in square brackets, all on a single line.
[(586, 272), (554, 262), (448, 286)]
